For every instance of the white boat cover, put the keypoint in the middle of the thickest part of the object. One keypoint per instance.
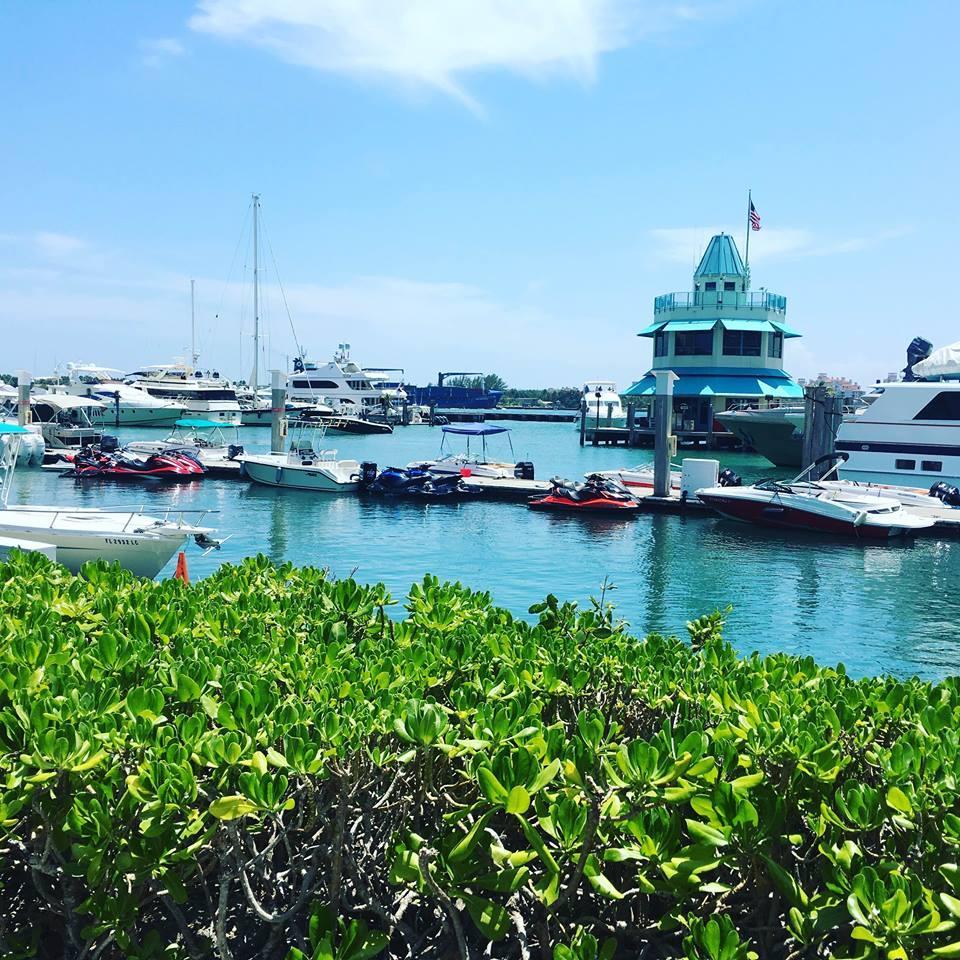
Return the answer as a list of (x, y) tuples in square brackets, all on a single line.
[(944, 362)]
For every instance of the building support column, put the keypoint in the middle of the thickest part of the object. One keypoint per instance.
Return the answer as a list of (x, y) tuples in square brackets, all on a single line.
[(663, 431)]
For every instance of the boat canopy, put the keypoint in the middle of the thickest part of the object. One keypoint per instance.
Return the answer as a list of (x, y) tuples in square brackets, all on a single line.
[(475, 429), (64, 401), (942, 363), (192, 422), (12, 428)]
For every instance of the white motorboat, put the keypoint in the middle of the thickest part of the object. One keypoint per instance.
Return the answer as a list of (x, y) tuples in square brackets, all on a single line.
[(821, 506), (345, 386), (909, 433), (124, 405), (205, 440), (202, 395), (66, 422), (139, 543), (304, 466), (602, 400), (471, 462), (641, 476)]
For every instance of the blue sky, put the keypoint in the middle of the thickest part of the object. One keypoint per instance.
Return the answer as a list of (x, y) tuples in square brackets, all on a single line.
[(471, 184)]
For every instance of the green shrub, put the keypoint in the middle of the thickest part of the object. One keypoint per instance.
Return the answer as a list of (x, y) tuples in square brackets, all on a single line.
[(266, 764)]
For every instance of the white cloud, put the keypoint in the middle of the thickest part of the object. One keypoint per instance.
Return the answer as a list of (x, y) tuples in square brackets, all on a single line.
[(158, 49), (57, 244), (434, 42), (686, 244)]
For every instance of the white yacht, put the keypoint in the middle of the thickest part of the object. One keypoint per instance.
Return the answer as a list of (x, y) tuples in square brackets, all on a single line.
[(139, 543), (602, 399), (343, 385), (67, 422), (303, 467), (909, 433), (208, 396), (124, 405), (473, 462)]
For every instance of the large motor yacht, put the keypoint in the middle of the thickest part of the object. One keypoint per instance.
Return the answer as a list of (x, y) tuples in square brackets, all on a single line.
[(344, 385), (602, 400), (124, 405), (208, 396)]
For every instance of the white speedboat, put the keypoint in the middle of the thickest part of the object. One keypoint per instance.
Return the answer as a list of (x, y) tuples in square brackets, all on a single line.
[(471, 462), (205, 440), (814, 507), (345, 386), (139, 543), (124, 405), (209, 396), (641, 476), (303, 466), (602, 400)]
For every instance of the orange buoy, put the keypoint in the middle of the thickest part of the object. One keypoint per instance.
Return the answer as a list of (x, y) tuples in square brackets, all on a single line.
[(181, 573)]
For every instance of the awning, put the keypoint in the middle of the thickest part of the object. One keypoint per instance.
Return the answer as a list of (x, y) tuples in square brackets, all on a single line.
[(652, 329), (191, 422), (787, 332), (758, 326), (713, 383), (691, 326), (12, 428), (475, 430), (66, 401)]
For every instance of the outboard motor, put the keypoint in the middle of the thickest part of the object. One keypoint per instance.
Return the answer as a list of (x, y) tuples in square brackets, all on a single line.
[(918, 350), (234, 450), (727, 478), (950, 495), (368, 473), (109, 444), (523, 470)]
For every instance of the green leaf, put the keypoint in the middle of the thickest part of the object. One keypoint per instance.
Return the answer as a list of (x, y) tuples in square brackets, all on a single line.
[(491, 919), (492, 788), (518, 801), (898, 800), (231, 808), (705, 833), (466, 845)]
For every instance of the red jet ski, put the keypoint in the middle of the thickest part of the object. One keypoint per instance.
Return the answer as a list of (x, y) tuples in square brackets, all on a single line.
[(93, 463), (599, 495)]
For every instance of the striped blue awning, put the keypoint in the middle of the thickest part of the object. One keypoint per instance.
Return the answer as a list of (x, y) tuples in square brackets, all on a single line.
[(723, 382), (689, 326), (652, 329), (758, 326), (787, 332)]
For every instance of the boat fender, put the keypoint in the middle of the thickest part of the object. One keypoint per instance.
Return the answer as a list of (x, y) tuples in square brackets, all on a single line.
[(859, 518), (279, 475)]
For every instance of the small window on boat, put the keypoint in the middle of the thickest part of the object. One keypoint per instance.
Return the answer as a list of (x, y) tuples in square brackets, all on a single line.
[(906, 464), (934, 466), (944, 406)]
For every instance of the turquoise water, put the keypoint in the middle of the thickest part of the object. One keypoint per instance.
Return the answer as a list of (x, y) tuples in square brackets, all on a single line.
[(877, 608)]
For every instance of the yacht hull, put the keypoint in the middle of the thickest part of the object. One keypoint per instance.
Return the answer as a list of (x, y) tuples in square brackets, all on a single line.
[(141, 416), (776, 437)]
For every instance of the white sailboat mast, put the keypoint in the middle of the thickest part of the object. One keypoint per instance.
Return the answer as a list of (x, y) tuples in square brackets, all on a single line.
[(193, 329), (256, 302)]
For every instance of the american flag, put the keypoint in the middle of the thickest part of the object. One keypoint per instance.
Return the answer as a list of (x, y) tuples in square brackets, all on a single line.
[(754, 217)]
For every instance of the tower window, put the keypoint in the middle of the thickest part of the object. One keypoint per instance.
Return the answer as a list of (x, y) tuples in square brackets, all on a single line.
[(741, 343), (729, 285), (775, 345), (710, 285), (697, 343), (660, 344)]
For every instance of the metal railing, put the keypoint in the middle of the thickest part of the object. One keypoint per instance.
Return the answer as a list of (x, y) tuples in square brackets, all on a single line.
[(730, 299)]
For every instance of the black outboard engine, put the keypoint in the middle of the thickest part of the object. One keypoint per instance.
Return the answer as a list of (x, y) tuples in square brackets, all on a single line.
[(727, 478), (918, 350), (234, 450), (949, 494), (523, 470), (109, 444), (368, 473)]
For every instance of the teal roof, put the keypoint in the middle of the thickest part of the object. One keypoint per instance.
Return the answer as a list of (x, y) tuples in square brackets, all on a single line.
[(760, 326), (721, 258), (190, 422), (787, 332), (689, 326), (12, 428), (722, 382), (652, 329)]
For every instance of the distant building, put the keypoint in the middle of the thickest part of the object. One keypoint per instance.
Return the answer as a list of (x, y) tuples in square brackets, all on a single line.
[(841, 386), (724, 341)]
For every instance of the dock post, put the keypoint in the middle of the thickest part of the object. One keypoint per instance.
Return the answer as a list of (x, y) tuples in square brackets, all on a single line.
[(822, 415), (583, 422), (278, 407), (24, 380), (710, 423), (631, 421), (663, 420)]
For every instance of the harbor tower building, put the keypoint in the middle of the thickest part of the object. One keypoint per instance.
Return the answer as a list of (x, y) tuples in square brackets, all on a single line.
[(724, 341)]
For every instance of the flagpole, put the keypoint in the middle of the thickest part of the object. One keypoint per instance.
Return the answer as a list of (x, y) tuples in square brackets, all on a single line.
[(749, 204)]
